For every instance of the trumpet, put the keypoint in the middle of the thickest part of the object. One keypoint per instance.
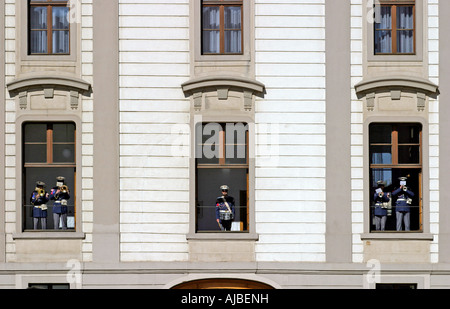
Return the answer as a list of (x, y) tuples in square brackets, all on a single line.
[(380, 195), (64, 189), (41, 192), (405, 188)]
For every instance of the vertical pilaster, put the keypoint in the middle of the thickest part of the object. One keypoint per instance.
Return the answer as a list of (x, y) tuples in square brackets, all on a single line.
[(338, 131), (106, 244)]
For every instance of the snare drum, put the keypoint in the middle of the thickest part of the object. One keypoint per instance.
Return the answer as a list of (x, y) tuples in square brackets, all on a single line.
[(225, 215)]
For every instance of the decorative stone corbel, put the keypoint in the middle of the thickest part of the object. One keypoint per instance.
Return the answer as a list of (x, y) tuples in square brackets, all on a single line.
[(74, 98), (421, 100), (370, 101), (23, 99), (248, 100), (49, 93), (198, 100), (222, 93)]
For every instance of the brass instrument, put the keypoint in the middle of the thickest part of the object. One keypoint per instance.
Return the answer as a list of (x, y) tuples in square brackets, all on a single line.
[(380, 195), (41, 192), (405, 188), (64, 189)]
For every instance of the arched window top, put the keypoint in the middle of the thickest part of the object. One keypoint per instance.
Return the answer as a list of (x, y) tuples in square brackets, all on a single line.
[(48, 81), (385, 84)]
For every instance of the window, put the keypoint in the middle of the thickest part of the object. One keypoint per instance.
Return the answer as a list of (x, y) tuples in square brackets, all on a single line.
[(396, 152), (221, 159), (49, 286), (48, 152), (49, 29), (222, 27), (395, 28)]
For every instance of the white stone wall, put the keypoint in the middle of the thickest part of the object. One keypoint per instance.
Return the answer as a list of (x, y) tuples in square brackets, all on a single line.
[(154, 179), (290, 124), (10, 130)]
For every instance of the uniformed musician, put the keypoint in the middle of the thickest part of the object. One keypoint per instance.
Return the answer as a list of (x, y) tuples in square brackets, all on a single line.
[(380, 211), (225, 209), (39, 199), (60, 194), (403, 204)]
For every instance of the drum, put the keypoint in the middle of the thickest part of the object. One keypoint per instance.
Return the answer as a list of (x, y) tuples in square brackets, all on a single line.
[(225, 215)]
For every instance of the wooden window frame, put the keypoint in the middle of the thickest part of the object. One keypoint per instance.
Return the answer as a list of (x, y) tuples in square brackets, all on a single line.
[(49, 4), (394, 4), (222, 4), (396, 165)]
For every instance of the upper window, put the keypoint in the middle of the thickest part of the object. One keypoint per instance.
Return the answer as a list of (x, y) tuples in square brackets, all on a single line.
[(222, 27), (48, 27), (394, 31), (396, 176)]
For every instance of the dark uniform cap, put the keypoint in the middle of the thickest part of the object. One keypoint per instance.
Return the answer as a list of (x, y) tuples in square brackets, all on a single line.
[(40, 183), (60, 178)]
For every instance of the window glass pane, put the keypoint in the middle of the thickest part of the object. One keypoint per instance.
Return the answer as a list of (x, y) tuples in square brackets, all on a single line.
[(63, 153), (208, 151), (63, 132), (60, 18), (60, 42), (233, 42), (211, 42), (236, 143), (408, 154), (408, 134), (208, 189), (405, 17), (38, 18), (38, 42), (232, 17), (383, 20), (35, 132), (383, 41), (380, 155), (381, 134), (35, 153), (405, 41), (211, 17)]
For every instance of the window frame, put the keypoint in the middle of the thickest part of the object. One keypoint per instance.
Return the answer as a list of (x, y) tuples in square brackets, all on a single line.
[(73, 234), (49, 163), (222, 4), (394, 4), (420, 33), (221, 164), (396, 165), (49, 4)]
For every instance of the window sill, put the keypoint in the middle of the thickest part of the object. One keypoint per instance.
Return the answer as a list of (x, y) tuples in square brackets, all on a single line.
[(222, 236), (49, 235), (397, 236)]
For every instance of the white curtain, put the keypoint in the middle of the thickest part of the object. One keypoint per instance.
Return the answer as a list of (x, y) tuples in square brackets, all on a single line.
[(383, 32), (405, 26), (233, 30), (211, 33)]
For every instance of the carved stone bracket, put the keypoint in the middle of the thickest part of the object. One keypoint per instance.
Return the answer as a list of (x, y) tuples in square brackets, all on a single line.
[(222, 85)]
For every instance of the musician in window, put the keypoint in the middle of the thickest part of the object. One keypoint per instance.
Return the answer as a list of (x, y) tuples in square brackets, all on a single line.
[(39, 199), (381, 200), (403, 204), (225, 209), (60, 194)]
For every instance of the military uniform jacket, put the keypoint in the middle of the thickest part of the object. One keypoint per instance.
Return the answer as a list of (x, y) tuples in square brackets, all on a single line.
[(379, 211), (37, 201), (60, 204), (220, 205), (401, 204)]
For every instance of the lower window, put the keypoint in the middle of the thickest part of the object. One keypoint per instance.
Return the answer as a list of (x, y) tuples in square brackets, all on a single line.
[(222, 160), (396, 176), (49, 173)]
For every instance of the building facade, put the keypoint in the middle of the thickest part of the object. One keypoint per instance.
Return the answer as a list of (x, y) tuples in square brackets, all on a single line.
[(146, 108)]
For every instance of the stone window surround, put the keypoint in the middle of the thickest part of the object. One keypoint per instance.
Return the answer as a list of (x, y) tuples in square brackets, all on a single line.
[(22, 30), (419, 33)]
